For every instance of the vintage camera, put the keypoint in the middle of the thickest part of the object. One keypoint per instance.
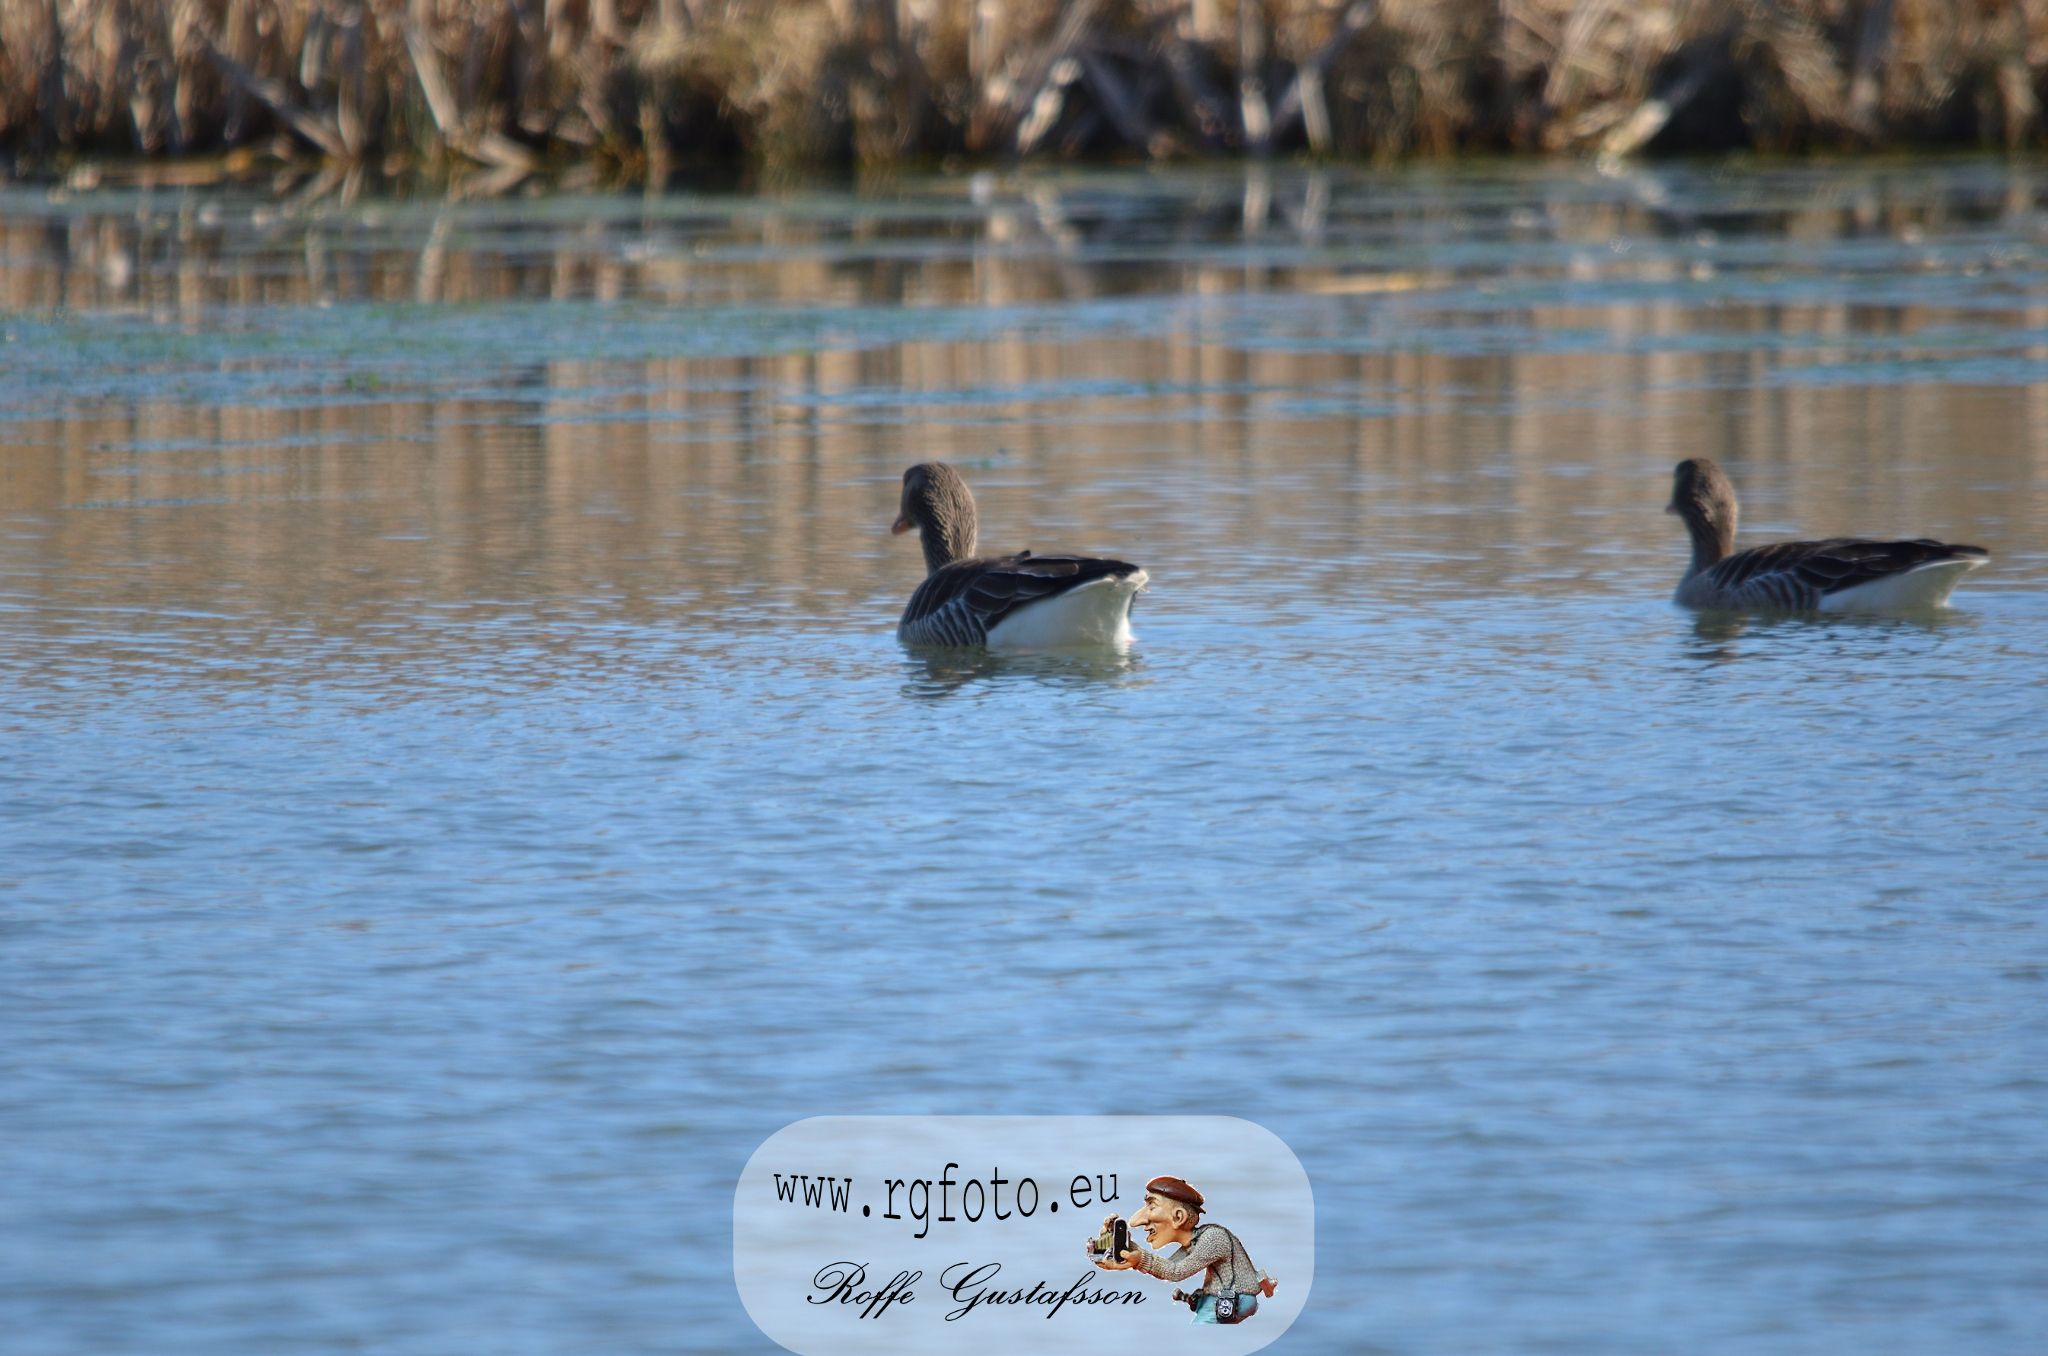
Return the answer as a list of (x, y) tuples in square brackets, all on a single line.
[(1113, 1242)]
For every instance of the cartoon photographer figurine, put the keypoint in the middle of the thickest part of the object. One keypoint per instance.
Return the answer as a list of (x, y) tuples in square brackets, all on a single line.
[(1231, 1285)]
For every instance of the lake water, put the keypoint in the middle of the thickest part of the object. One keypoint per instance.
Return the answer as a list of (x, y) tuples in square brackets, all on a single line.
[(462, 793)]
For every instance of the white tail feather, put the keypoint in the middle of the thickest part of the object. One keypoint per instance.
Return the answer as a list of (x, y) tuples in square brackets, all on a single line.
[(1922, 586), (1097, 613)]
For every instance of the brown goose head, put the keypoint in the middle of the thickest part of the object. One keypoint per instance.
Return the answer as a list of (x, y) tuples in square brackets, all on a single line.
[(1703, 496), (937, 503)]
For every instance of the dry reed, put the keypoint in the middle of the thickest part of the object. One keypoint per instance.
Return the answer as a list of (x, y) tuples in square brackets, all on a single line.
[(641, 87)]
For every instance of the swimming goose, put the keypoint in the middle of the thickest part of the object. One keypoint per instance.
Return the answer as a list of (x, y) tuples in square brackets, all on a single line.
[(1843, 574), (1019, 602)]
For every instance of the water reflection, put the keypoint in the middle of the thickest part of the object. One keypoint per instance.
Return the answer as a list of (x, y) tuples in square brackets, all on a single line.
[(1376, 388), (933, 674), (722, 371), (1821, 637)]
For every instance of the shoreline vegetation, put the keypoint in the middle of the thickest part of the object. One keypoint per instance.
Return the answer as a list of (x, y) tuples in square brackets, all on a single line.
[(489, 93)]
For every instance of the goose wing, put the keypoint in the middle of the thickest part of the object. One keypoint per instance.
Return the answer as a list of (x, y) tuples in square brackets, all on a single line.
[(962, 603), (1798, 575)]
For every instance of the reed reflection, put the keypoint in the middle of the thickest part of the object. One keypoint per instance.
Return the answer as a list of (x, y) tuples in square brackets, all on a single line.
[(680, 408)]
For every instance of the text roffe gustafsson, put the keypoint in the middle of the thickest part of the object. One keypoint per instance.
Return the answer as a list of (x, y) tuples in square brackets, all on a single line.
[(971, 1284), (969, 1200)]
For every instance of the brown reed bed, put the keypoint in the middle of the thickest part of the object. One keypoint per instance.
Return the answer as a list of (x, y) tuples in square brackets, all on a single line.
[(640, 88)]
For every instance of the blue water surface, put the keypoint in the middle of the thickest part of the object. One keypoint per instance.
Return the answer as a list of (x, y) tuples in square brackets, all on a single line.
[(461, 792)]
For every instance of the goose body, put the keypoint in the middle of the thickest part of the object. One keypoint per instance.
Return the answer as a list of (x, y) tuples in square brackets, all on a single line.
[(1841, 574), (1014, 602)]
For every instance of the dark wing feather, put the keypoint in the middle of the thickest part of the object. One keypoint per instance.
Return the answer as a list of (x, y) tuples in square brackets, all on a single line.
[(1798, 574), (962, 603)]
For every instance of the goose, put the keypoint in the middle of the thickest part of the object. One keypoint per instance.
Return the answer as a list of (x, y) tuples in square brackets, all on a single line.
[(1842, 574), (1018, 602)]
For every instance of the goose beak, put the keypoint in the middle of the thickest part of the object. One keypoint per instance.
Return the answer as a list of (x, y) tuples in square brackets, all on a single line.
[(900, 526), (1671, 508)]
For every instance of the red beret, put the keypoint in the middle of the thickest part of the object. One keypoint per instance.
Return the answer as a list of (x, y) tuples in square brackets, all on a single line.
[(1174, 1190)]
